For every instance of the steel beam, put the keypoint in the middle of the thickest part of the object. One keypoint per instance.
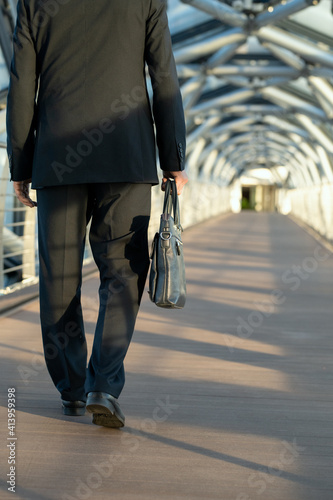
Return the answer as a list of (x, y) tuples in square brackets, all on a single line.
[(223, 100), (192, 90), (255, 71), (309, 51), (235, 125), (290, 101), (325, 163), (321, 72), (189, 70), (323, 87), (286, 126), (222, 55), (281, 11), (258, 109), (221, 11), (324, 103), (286, 56), (208, 46), (315, 131), (202, 129)]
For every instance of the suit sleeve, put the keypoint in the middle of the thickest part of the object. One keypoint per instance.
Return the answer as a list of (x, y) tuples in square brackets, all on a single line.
[(21, 99), (167, 101)]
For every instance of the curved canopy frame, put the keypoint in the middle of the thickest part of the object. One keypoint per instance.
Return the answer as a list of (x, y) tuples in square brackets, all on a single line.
[(257, 84)]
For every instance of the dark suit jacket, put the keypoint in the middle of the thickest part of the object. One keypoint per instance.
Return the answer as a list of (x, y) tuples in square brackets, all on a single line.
[(78, 109)]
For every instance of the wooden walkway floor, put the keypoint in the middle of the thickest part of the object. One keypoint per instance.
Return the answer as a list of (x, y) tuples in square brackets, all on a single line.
[(229, 399)]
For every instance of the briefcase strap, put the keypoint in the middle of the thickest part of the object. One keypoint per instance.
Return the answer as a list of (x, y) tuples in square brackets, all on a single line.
[(171, 202)]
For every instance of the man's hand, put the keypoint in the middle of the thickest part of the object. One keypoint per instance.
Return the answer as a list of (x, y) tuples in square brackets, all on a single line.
[(22, 192), (180, 177)]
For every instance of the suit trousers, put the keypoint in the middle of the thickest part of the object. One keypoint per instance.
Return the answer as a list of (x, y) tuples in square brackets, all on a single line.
[(119, 215)]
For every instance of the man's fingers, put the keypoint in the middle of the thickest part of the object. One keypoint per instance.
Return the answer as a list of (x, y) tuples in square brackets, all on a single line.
[(22, 193), (180, 185), (26, 200), (180, 181)]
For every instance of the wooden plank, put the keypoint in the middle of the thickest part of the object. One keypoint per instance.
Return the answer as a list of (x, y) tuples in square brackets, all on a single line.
[(230, 398)]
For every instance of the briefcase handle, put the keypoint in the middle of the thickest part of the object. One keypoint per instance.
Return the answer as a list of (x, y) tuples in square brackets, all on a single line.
[(171, 202)]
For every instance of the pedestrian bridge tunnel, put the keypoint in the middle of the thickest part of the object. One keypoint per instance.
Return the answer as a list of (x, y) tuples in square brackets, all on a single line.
[(257, 86)]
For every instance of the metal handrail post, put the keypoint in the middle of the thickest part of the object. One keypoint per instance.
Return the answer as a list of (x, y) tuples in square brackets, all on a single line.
[(3, 187), (29, 242)]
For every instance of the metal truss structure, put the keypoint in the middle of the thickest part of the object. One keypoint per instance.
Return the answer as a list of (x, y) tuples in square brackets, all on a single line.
[(257, 83)]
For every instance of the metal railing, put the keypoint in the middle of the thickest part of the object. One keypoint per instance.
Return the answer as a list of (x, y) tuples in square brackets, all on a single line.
[(17, 235), (18, 232)]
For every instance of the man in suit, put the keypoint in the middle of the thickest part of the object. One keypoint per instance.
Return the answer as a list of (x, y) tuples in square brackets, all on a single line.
[(80, 128)]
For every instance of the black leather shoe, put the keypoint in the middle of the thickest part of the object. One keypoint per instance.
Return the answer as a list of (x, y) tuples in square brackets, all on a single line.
[(73, 408), (105, 409)]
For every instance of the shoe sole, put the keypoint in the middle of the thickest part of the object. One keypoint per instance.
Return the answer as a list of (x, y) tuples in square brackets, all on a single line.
[(107, 420), (104, 413)]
